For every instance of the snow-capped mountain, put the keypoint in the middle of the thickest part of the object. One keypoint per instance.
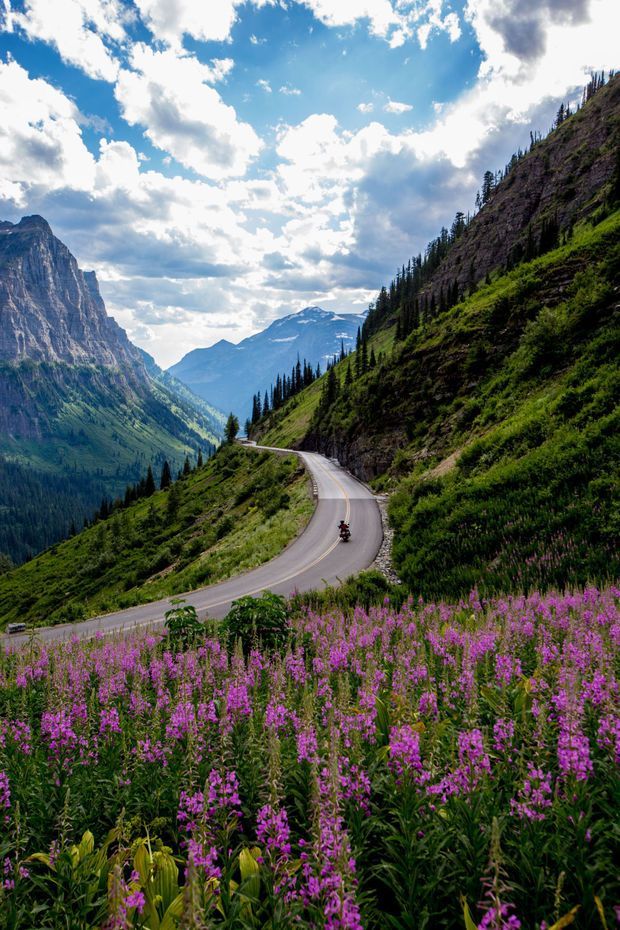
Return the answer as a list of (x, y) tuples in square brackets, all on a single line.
[(227, 375)]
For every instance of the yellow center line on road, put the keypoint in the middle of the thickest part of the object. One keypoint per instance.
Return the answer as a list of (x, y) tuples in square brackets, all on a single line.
[(290, 577), (305, 568), (295, 574)]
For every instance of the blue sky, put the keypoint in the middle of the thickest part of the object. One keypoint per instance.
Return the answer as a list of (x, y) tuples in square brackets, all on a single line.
[(220, 164)]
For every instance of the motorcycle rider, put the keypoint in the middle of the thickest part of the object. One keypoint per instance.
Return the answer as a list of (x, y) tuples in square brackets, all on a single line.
[(343, 527)]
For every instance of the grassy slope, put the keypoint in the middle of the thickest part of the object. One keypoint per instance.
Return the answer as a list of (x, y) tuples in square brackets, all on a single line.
[(228, 520), (534, 500), (95, 438), (97, 433), (520, 380), (288, 426)]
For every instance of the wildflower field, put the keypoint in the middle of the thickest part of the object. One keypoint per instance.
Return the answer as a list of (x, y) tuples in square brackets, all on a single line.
[(435, 766)]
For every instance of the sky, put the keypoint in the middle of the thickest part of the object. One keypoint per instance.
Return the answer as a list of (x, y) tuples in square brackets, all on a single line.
[(220, 163)]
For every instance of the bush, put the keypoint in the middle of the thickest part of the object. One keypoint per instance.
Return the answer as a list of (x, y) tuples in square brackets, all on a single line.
[(257, 621), (368, 589), (183, 626)]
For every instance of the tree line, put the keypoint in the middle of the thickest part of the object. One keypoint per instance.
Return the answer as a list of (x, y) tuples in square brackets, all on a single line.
[(145, 487), (286, 385)]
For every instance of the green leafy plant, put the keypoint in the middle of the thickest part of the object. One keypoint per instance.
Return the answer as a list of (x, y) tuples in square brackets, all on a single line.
[(258, 620), (182, 624)]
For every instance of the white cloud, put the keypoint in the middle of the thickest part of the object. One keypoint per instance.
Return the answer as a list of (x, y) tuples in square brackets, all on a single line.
[(40, 135), (169, 94), (205, 20), (393, 106), (453, 27), (397, 21), (510, 88), (182, 261), (221, 68), (170, 20), (320, 162), (365, 107), (380, 13), (77, 28), (290, 91), (256, 41), (264, 85)]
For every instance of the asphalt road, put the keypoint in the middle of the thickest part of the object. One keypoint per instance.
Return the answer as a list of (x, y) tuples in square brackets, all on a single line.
[(315, 559)]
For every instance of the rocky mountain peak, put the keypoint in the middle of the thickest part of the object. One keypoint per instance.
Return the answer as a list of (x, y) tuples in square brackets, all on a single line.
[(34, 222), (50, 310), (227, 375)]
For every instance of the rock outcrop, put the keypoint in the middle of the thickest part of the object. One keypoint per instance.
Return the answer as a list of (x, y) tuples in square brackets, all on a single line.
[(50, 310), (561, 181)]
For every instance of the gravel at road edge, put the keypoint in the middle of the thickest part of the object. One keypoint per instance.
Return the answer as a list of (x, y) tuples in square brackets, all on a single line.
[(383, 561)]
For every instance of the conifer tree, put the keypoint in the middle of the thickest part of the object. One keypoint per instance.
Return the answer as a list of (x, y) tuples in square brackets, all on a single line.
[(232, 428), (199, 460), (174, 500), (151, 518), (166, 477), (187, 468), (149, 484)]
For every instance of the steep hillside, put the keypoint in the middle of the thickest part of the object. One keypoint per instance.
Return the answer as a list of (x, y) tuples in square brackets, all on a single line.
[(496, 421), (527, 208), (237, 511), (227, 375), (499, 427), (78, 404), (184, 395)]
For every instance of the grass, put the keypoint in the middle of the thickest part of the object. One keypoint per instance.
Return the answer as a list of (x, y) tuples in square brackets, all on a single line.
[(534, 500), (98, 431), (223, 519)]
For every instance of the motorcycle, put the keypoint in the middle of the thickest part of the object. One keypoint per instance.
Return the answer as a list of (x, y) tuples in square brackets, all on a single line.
[(345, 532)]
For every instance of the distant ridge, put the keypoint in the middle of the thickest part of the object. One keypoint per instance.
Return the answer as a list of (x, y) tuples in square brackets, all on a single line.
[(227, 375)]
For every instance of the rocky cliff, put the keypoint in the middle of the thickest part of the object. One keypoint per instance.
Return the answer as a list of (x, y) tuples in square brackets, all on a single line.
[(50, 310), (77, 400), (562, 180)]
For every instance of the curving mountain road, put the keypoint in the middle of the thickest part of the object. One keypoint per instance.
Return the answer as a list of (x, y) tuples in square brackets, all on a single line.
[(315, 559)]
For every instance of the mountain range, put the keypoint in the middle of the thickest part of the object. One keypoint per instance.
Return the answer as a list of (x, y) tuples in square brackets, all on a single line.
[(84, 411), (227, 375)]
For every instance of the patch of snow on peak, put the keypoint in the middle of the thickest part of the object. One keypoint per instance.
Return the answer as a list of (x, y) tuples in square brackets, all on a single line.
[(284, 339)]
